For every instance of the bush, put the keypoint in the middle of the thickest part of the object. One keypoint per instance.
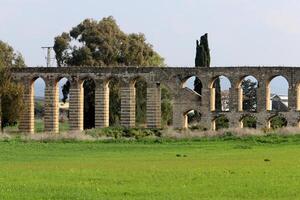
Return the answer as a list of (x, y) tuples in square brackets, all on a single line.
[(120, 132)]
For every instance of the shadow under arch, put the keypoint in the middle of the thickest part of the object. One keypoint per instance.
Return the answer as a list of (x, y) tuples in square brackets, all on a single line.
[(277, 121), (248, 121), (219, 122)]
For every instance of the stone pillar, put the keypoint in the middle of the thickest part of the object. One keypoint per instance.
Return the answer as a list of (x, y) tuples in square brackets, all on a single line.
[(212, 99), (263, 96), (101, 104), (153, 106), (51, 107), (27, 116), (179, 120), (292, 98), (76, 106), (127, 91), (233, 99), (240, 98)]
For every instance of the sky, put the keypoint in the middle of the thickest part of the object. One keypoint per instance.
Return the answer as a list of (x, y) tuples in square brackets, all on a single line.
[(241, 32)]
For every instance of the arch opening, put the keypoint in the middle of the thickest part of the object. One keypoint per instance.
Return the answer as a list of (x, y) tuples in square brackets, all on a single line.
[(38, 86), (247, 94), (114, 102), (220, 94), (88, 86), (220, 122), (140, 102), (277, 94), (193, 83), (63, 86), (192, 120), (277, 121), (248, 121)]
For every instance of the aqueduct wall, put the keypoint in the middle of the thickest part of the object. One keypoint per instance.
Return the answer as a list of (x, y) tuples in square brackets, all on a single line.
[(173, 78)]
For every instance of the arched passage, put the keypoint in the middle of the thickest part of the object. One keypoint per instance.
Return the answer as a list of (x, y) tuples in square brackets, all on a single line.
[(277, 121), (63, 86), (277, 94), (220, 94), (220, 122), (193, 83), (248, 121), (88, 86), (141, 101), (38, 87), (114, 101), (247, 94)]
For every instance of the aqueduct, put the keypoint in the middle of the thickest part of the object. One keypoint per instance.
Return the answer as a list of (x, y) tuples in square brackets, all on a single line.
[(183, 99)]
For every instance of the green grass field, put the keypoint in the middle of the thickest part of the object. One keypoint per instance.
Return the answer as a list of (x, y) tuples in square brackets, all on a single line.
[(176, 170)]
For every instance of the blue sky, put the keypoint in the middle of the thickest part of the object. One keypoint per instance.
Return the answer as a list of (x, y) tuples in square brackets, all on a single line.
[(241, 32)]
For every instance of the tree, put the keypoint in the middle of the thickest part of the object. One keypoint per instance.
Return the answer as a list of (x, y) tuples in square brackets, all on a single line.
[(202, 59), (102, 43), (249, 95), (10, 93)]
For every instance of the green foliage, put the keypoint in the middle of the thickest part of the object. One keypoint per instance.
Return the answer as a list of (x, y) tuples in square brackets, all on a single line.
[(278, 121), (249, 95), (202, 58), (120, 132), (249, 122), (10, 93), (102, 43), (222, 122)]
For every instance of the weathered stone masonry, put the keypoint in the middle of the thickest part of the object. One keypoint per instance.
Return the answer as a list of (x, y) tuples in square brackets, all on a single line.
[(184, 99)]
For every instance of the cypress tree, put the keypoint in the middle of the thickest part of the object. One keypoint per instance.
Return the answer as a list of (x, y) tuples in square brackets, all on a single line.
[(202, 59)]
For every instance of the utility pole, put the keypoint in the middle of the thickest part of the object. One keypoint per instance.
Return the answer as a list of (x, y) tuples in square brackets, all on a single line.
[(48, 57)]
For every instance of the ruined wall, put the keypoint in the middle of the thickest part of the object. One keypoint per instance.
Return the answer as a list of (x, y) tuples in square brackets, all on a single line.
[(184, 100)]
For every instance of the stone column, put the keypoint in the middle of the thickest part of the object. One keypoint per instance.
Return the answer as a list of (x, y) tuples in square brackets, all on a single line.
[(233, 99), (292, 98), (179, 120), (212, 99), (51, 107), (76, 106), (101, 104), (127, 91), (27, 116), (153, 106), (240, 98), (263, 96)]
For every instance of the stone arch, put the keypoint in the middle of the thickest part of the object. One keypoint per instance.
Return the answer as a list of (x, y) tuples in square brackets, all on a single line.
[(250, 123), (188, 114), (140, 91), (219, 120), (242, 103), (225, 99), (36, 104), (277, 121), (61, 109), (87, 86), (190, 81), (269, 105)]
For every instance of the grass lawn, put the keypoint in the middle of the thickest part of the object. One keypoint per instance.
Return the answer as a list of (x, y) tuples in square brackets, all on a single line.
[(176, 170)]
